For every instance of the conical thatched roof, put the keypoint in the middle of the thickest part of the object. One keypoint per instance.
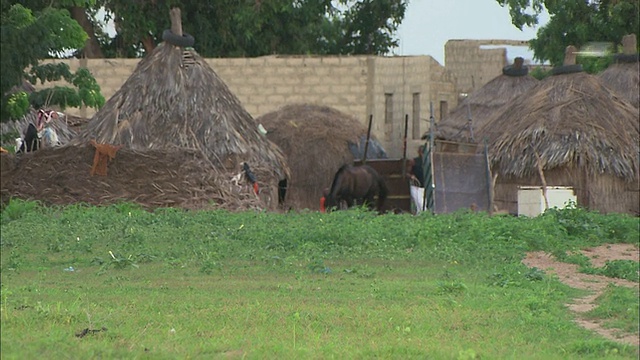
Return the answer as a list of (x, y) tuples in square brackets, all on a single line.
[(485, 102), (174, 99), (624, 75), (569, 119), (316, 141)]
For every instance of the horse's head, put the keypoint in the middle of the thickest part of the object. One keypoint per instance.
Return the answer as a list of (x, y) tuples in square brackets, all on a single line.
[(330, 199), (332, 195)]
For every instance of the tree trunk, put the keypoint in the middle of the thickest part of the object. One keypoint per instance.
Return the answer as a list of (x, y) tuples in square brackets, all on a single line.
[(91, 48)]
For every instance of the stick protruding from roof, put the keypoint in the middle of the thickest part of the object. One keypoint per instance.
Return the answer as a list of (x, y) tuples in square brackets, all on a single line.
[(176, 21), (570, 55)]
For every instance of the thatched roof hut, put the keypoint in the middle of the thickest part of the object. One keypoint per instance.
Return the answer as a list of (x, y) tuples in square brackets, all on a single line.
[(175, 100), (624, 75), (570, 130), (316, 141), (474, 111)]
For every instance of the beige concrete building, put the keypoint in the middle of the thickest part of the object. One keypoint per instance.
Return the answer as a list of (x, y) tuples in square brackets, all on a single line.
[(386, 87)]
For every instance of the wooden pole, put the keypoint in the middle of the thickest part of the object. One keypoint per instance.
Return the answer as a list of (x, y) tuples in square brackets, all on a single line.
[(176, 21), (404, 150), (490, 189), (366, 144), (543, 179), (432, 145)]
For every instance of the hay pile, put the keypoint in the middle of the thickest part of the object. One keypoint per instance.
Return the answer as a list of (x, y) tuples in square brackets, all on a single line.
[(151, 178), (484, 103), (316, 141)]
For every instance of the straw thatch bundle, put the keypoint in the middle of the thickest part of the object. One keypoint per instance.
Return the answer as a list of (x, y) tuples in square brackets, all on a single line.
[(485, 102), (316, 141), (624, 75), (573, 125), (152, 178)]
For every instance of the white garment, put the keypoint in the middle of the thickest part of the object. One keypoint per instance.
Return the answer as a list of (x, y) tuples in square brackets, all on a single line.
[(417, 197)]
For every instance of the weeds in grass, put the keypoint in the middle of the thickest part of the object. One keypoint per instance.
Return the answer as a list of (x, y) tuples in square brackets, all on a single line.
[(621, 269), (614, 307)]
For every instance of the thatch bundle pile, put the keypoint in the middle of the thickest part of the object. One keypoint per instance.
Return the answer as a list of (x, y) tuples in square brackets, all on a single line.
[(570, 130), (151, 178), (175, 101), (474, 111), (624, 76), (316, 141)]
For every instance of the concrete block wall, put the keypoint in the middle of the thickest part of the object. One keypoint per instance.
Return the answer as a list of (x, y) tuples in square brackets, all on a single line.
[(473, 66), (265, 84), (355, 85)]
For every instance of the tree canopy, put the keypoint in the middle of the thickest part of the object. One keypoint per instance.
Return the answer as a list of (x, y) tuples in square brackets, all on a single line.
[(27, 38), (229, 28), (574, 22)]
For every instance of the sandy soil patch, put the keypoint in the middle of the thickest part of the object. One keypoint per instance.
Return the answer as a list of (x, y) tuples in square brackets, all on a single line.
[(568, 274)]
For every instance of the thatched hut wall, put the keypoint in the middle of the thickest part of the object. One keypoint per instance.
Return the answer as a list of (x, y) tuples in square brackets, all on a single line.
[(315, 140), (604, 193)]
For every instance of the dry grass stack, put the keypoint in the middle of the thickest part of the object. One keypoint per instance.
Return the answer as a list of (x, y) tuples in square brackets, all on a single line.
[(151, 178), (624, 75), (315, 140), (175, 100), (578, 132), (485, 102)]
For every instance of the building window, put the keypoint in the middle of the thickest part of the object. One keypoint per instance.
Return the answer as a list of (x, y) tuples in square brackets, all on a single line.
[(388, 108), (444, 109), (416, 116)]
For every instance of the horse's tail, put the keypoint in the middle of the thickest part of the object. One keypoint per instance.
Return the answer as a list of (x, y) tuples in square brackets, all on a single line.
[(331, 197)]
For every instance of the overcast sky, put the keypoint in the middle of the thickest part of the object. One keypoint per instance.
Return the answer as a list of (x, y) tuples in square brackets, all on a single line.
[(428, 24)]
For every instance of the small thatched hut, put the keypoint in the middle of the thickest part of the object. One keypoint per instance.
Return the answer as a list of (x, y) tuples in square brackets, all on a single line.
[(570, 130), (175, 100), (624, 75), (474, 111), (316, 141)]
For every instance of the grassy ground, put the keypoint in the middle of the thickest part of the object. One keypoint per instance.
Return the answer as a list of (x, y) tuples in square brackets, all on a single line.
[(174, 284)]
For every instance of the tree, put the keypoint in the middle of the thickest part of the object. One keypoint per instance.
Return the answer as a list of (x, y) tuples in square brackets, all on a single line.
[(574, 22), (231, 28), (27, 38)]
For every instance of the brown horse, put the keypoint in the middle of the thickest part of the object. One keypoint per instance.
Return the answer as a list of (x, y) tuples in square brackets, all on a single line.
[(357, 185)]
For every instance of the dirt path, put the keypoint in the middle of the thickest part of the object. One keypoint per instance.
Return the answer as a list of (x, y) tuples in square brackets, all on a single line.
[(568, 274)]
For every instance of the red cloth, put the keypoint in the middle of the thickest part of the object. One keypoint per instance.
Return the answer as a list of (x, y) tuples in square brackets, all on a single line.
[(322, 201)]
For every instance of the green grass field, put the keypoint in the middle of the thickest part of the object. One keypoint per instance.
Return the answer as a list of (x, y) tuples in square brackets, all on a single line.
[(173, 284)]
